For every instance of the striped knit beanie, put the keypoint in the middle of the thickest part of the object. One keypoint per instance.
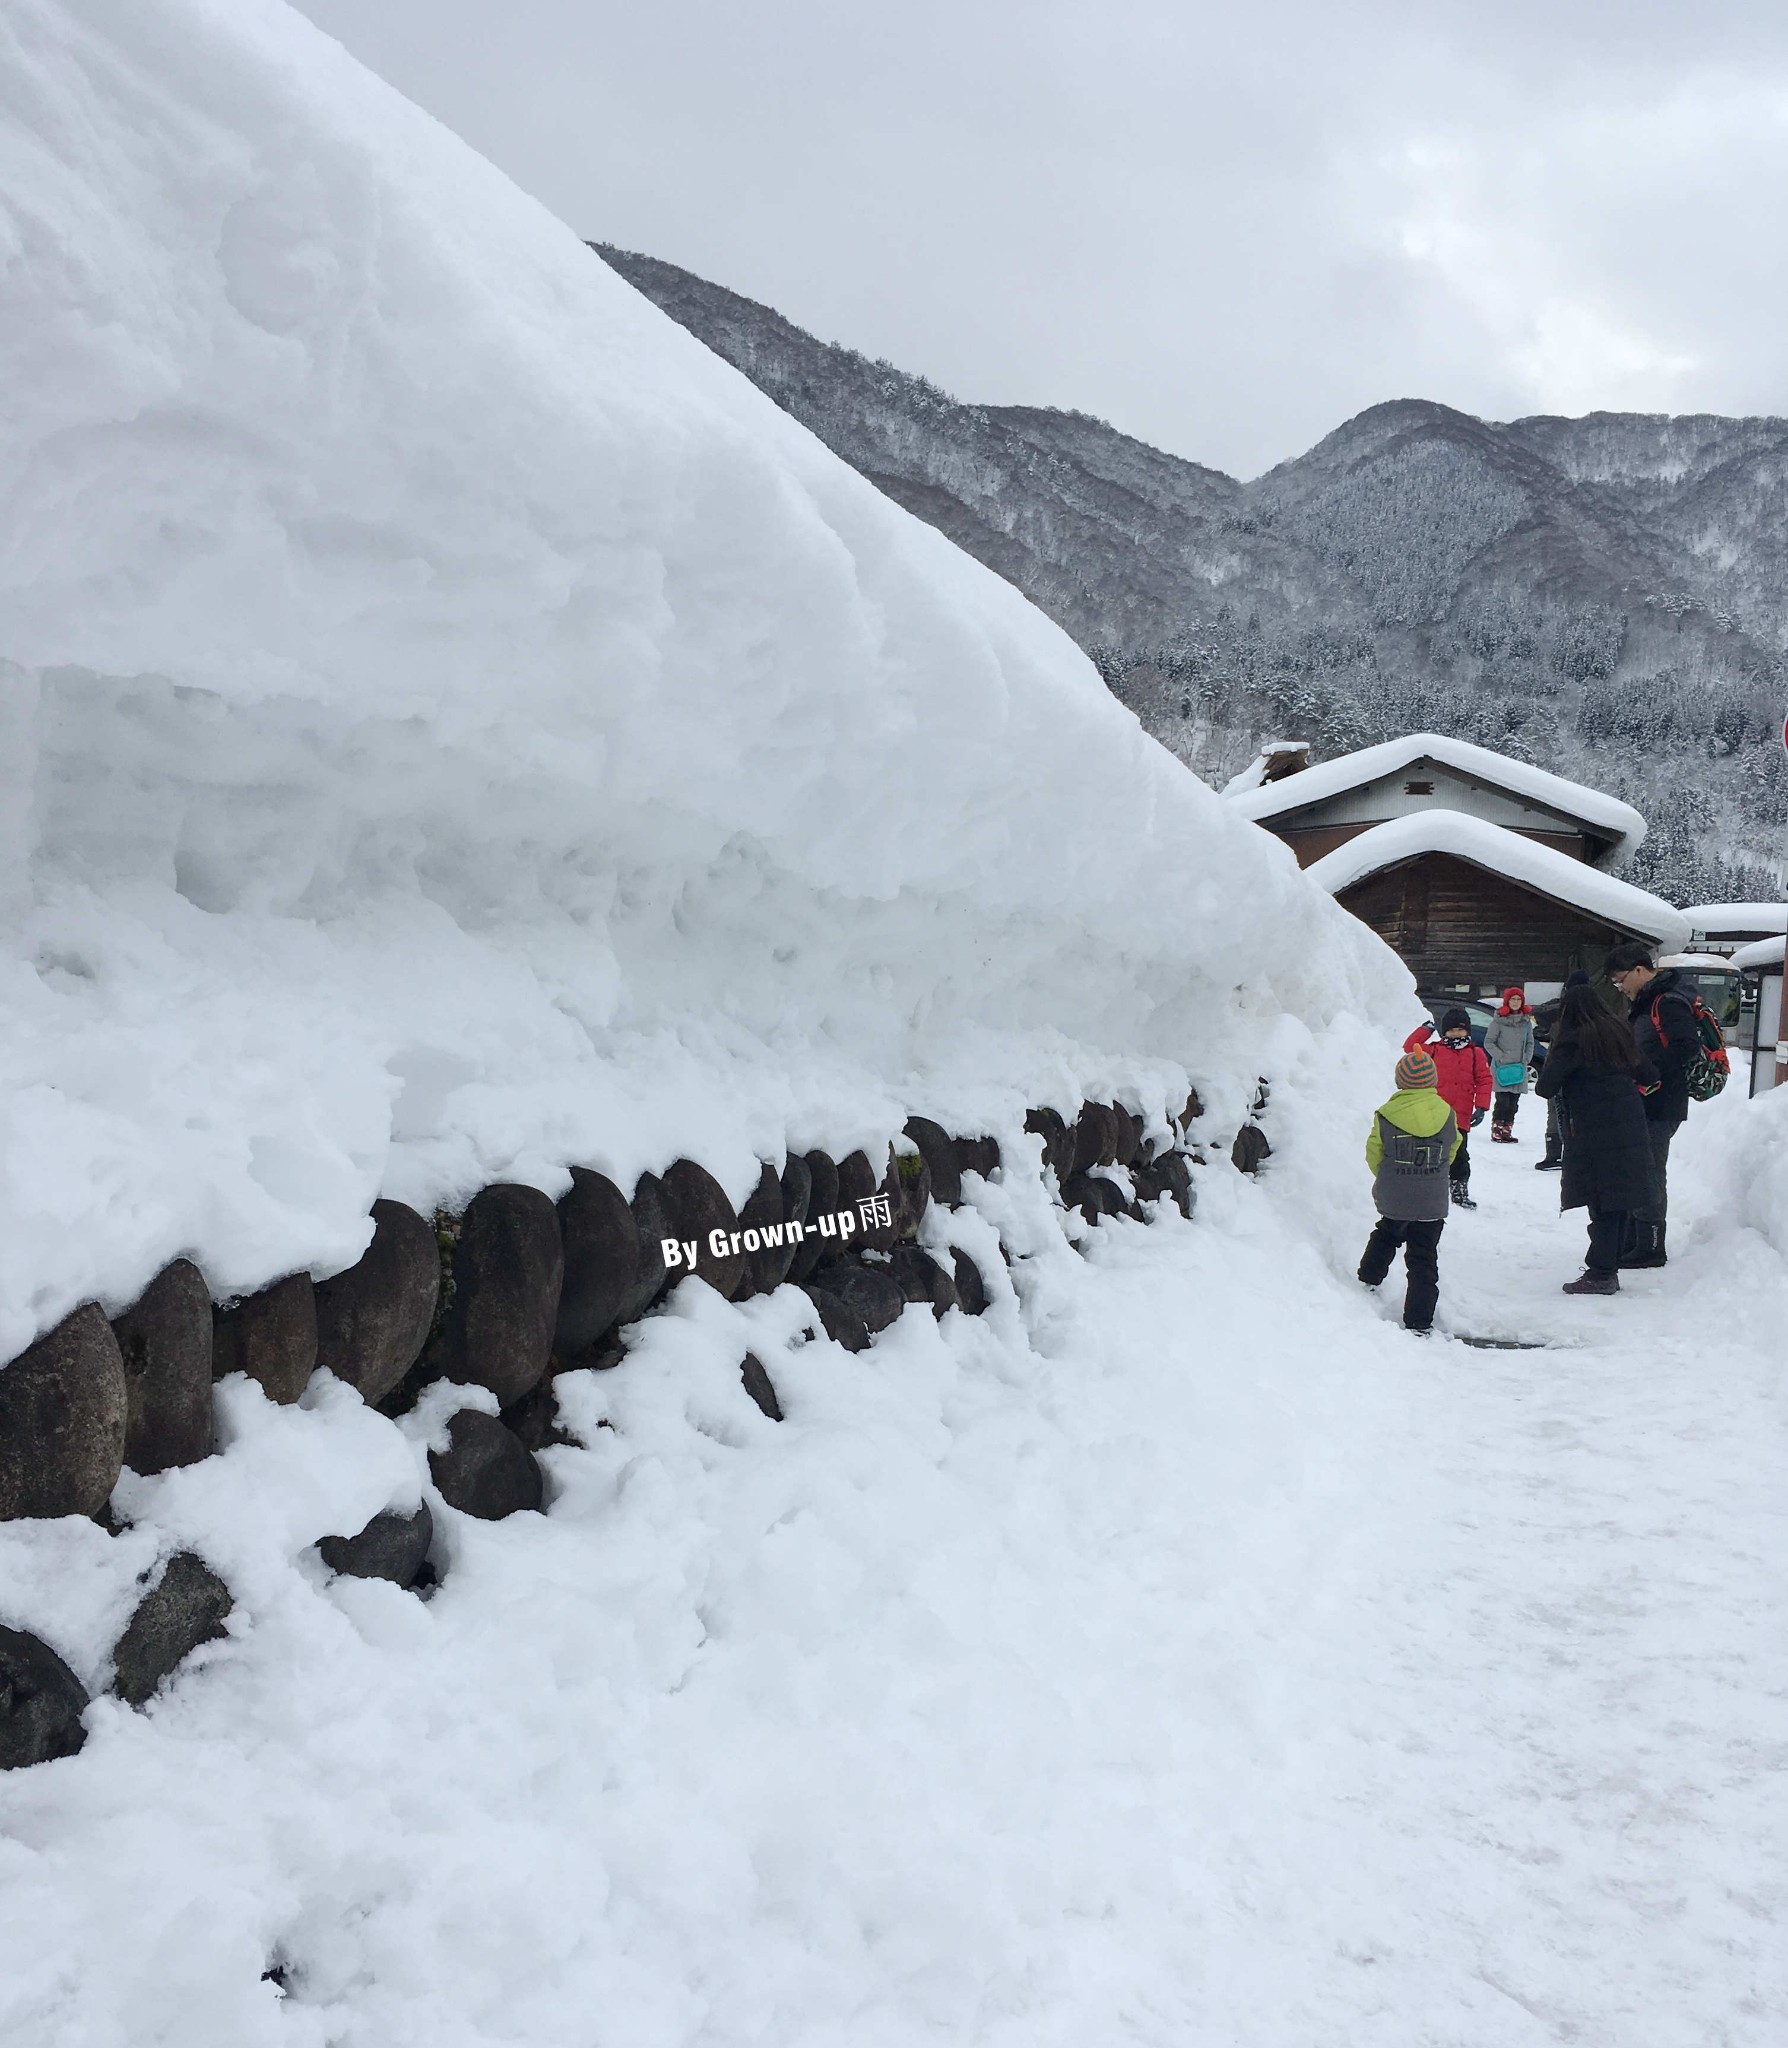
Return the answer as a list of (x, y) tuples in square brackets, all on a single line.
[(1416, 1070)]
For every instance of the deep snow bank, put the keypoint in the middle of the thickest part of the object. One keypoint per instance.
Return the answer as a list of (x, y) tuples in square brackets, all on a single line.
[(454, 725), (1740, 1146)]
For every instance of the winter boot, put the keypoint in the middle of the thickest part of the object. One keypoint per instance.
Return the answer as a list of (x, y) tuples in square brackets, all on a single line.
[(1593, 1281), (1500, 1134), (1646, 1249), (1550, 1164), (1462, 1196)]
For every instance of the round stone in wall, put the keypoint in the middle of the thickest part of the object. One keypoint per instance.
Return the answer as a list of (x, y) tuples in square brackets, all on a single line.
[(697, 1206), (856, 1184), (1095, 1137), (971, 1289), (757, 1384), (602, 1263), (165, 1344), (187, 1607), (1250, 1150), (822, 1200), (978, 1155), (373, 1319), (41, 1703), (839, 1321), (651, 1225), (870, 1292), (1127, 1127), (922, 1279), (391, 1546), (938, 1150), (271, 1336), (797, 1188), (1094, 1196), (63, 1415), (486, 1470), (767, 1266), (1165, 1175), (507, 1269), (1058, 1140)]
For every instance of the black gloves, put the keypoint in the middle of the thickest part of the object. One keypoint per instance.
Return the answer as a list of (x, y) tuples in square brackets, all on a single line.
[(1477, 1117)]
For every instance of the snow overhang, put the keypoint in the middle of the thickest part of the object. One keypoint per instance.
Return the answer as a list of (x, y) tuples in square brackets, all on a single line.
[(1716, 919), (1501, 852), (1753, 959)]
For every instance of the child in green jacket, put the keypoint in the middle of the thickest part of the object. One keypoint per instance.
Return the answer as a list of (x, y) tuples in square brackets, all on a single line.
[(1410, 1151)]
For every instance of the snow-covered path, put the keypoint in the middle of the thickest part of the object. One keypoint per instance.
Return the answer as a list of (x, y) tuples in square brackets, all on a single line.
[(1223, 1666), (1513, 1755), (1562, 1780)]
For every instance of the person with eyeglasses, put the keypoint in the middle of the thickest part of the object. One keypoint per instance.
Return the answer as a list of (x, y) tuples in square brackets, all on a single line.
[(1663, 1027)]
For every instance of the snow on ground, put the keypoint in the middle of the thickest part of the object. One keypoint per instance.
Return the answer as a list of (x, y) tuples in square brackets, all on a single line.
[(1183, 1654), (454, 728)]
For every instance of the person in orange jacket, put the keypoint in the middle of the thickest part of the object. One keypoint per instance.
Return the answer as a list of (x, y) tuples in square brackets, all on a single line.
[(1463, 1078)]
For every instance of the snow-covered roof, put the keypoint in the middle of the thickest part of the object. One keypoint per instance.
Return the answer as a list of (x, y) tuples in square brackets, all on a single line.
[(1350, 771), (1714, 918), (1254, 774), (1502, 852), (1764, 953)]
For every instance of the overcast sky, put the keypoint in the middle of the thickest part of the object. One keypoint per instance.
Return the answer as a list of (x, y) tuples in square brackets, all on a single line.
[(1224, 229)]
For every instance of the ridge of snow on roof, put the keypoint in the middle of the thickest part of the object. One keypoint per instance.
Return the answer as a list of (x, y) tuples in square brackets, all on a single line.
[(1504, 853), (1349, 771), (1737, 917), (1761, 953)]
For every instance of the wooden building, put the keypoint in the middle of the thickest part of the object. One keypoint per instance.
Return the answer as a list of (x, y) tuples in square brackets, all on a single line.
[(1471, 907), (1316, 810)]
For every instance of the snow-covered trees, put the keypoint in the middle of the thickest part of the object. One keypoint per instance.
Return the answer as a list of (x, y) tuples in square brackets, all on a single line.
[(1602, 595), (1405, 526)]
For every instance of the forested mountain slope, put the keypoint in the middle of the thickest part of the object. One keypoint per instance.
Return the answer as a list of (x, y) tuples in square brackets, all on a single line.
[(1608, 596)]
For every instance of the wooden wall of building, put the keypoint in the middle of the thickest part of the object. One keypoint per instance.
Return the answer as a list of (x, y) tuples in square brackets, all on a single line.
[(1455, 925), (1311, 842)]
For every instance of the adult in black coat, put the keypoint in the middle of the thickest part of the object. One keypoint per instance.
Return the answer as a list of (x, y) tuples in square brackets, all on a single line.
[(1663, 1022), (1545, 1022), (1594, 1071)]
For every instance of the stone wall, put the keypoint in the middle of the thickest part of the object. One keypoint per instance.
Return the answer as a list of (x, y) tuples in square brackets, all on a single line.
[(504, 1296)]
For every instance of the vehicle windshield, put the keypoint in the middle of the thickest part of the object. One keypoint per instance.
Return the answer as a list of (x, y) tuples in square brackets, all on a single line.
[(1720, 989)]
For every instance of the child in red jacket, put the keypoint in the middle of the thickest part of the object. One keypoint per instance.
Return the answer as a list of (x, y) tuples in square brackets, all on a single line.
[(1463, 1078)]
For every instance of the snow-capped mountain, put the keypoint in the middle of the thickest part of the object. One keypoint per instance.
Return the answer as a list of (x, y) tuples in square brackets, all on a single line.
[(1607, 594)]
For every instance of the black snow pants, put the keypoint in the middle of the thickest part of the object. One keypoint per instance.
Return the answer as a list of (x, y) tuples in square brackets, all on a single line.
[(1658, 1208), (1421, 1260), (1460, 1171), (1608, 1230)]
